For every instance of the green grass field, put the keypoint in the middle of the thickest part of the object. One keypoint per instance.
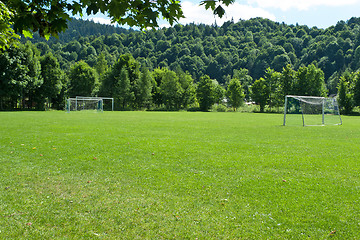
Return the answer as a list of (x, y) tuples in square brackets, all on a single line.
[(179, 175)]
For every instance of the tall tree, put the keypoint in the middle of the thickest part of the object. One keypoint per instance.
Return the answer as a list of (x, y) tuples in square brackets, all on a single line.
[(310, 81), (35, 79), (126, 73), (171, 90), (143, 87), (14, 77), (356, 88), (272, 79), (345, 96), (156, 92), (20, 76), (101, 65), (132, 67), (52, 76), (260, 93), (235, 94), (287, 80), (274, 82), (83, 80), (245, 79), (219, 92), (122, 91), (187, 84), (206, 92)]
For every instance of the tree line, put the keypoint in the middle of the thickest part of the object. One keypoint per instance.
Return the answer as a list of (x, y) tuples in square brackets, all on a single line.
[(266, 59), (31, 81), (216, 51)]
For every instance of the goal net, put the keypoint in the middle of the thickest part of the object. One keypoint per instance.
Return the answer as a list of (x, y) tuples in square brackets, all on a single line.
[(311, 111), (87, 103)]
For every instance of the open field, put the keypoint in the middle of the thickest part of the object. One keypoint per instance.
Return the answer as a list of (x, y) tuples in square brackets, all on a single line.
[(158, 175)]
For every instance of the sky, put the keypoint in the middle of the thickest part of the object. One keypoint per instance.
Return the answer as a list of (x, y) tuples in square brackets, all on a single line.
[(319, 13)]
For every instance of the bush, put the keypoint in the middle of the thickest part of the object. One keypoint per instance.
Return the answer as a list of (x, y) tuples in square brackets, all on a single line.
[(218, 108)]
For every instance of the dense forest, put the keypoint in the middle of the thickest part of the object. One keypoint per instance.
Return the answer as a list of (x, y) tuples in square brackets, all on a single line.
[(185, 66)]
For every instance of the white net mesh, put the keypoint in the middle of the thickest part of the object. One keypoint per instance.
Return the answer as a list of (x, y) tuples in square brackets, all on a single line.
[(81, 104), (311, 111), (309, 100)]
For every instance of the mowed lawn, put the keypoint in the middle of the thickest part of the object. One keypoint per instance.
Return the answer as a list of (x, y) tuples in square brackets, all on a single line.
[(176, 175)]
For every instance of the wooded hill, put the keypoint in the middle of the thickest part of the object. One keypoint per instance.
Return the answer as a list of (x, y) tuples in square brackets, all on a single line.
[(254, 44), (253, 47)]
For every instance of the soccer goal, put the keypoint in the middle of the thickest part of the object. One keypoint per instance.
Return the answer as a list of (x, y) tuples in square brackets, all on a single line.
[(87, 103), (311, 111)]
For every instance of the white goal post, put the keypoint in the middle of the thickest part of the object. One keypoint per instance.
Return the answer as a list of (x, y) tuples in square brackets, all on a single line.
[(311, 111), (87, 103)]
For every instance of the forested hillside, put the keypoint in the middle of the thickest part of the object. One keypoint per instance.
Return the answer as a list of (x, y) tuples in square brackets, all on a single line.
[(78, 28), (254, 44), (248, 50)]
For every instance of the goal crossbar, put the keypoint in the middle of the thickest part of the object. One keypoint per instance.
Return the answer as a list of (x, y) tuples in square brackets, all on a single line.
[(312, 99)]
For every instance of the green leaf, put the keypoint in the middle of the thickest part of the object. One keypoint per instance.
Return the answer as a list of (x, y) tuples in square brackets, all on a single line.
[(92, 9), (219, 11), (227, 2), (208, 4), (47, 36), (27, 34)]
